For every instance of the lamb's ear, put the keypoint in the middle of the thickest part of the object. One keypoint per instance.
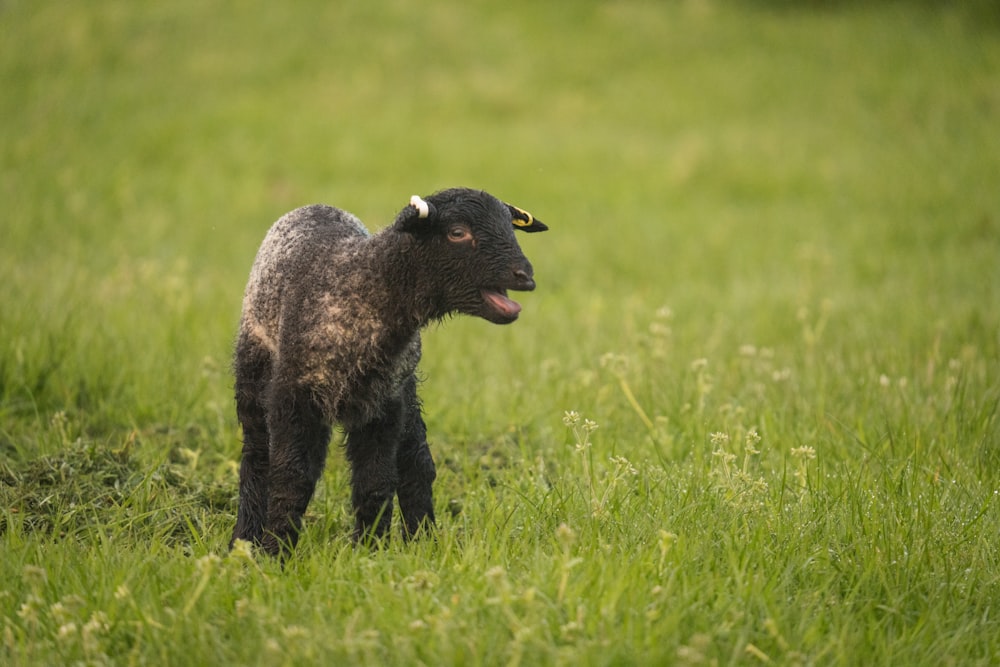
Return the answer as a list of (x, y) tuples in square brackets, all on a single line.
[(418, 209), (525, 221)]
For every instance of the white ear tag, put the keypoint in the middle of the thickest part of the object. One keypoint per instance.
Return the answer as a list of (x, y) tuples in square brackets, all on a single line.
[(423, 210)]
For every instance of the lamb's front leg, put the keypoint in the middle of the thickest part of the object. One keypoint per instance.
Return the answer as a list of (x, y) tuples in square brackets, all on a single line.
[(300, 437), (416, 467), (371, 450)]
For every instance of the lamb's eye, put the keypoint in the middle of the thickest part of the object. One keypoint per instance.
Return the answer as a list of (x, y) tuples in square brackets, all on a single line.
[(459, 234)]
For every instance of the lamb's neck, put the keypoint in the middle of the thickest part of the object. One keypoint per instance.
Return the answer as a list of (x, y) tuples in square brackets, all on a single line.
[(406, 302)]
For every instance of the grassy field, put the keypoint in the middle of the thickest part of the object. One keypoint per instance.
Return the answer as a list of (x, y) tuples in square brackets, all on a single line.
[(750, 416)]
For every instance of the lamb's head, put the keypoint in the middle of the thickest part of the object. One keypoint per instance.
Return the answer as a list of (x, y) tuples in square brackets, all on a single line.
[(465, 241)]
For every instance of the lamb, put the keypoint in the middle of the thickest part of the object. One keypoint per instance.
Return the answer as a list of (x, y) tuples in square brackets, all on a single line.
[(330, 334)]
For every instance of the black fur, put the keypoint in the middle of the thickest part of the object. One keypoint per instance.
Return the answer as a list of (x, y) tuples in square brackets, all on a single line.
[(330, 334)]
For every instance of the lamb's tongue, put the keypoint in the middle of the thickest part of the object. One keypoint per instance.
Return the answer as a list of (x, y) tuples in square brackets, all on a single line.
[(507, 307)]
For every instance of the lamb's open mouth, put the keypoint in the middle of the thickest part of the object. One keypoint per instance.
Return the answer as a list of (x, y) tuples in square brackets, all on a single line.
[(505, 308)]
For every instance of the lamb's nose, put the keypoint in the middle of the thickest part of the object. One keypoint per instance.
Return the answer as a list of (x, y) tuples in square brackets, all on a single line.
[(524, 279)]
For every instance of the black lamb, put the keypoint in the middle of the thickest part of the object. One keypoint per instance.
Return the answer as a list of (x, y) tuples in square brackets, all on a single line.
[(330, 334)]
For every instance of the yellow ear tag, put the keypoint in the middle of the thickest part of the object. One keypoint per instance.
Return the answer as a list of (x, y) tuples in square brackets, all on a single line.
[(526, 221)]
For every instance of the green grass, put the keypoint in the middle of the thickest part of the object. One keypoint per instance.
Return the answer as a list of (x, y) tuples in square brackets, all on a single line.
[(772, 282)]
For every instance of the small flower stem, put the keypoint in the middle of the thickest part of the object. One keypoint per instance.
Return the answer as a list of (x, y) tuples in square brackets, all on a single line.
[(630, 397)]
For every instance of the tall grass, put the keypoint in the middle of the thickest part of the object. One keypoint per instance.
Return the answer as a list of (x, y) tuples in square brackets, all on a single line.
[(749, 416)]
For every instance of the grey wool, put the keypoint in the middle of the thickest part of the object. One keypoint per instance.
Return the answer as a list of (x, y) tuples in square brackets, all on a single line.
[(330, 335)]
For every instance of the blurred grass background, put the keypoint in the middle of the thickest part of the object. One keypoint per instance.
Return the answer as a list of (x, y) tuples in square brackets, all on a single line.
[(682, 155), (803, 195)]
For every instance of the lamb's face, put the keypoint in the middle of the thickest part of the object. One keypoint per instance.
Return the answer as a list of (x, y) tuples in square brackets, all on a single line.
[(474, 244)]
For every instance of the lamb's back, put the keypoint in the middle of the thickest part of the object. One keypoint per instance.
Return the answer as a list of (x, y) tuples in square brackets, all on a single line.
[(305, 249), (313, 303)]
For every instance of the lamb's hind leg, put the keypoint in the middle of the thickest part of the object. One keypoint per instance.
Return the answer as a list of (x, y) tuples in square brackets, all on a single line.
[(252, 368), (300, 436), (416, 467)]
